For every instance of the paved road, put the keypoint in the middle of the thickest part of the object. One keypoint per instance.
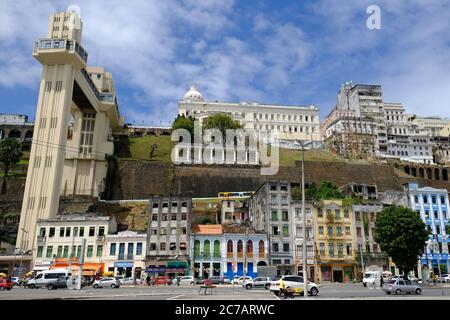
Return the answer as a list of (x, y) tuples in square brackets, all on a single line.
[(327, 291)]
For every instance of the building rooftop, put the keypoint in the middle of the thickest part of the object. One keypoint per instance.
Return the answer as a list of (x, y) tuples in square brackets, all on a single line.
[(89, 216), (207, 229)]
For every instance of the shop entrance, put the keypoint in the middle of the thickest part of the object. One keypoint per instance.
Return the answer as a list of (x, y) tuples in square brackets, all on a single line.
[(337, 276)]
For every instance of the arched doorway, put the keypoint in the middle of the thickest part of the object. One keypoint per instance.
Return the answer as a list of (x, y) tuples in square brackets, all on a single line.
[(249, 249), (421, 172), (444, 174), (414, 172), (240, 249), (261, 250), (230, 249), (429, 173), (14, 133), (407, 170), (29, 134), (436, 174)]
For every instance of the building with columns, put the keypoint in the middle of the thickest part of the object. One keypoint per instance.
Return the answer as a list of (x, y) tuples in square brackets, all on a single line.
[(63, 162), (291, 122), (229, 250)]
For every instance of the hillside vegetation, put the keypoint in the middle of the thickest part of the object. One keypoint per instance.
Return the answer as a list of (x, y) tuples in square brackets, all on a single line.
[(140, 148)]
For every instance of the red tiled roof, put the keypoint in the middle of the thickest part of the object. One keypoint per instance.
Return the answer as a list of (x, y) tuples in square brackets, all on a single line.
[(208, 229)]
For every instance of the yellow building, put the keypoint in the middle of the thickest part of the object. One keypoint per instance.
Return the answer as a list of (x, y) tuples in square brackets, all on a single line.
[(335, 253)]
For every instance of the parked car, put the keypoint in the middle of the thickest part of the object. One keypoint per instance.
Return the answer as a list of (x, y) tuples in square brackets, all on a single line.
[(200, 280), (175, 281), (106, 282), (258, 282), (42, 279), (239, 280), (226, 280), (400, 286), (187, 280), (129, 281), (15, 281), (61, 282), (217, 280), (120, 278), (445, 278), (162, 280), (293, 282), (5, 284)]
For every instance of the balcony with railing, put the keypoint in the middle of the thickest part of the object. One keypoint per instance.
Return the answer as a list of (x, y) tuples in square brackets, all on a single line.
[(60, 45)]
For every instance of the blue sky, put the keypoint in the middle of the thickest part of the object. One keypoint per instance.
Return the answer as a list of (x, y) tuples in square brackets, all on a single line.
[(285, 52)]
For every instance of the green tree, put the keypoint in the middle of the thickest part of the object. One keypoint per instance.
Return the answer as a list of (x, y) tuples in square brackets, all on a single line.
[(401, 234), (326, 190), (10, 153), (183, 122), (222, 122)]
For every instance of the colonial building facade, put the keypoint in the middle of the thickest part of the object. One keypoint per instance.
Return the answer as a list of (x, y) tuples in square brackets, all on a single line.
[(60, 238), (227, 251), (334, 241), (168, 235), (290, 122), (433, 207)]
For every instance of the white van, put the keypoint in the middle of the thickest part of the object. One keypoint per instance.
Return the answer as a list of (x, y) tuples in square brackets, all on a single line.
[(42, 279), (372, 279)]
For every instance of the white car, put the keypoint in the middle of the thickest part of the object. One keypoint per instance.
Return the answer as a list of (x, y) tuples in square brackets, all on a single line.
[(294, 282), (240, 280), (187, 280), (106, 282), (129, 281), (445, 278)]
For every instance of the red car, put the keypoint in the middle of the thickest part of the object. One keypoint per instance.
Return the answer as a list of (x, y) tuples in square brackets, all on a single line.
[(5, 284), (162, 280)]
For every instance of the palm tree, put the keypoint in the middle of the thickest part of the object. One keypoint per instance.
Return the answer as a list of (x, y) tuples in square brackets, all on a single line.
[(10, 153)]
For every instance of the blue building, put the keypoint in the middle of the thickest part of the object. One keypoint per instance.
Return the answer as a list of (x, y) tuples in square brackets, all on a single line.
[(433, 206)]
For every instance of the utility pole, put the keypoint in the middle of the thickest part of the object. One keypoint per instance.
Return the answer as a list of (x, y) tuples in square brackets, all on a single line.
[(83, 247), (438, 259), (305, 272)]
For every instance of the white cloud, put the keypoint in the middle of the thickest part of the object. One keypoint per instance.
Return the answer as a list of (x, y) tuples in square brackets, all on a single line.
[(155, 49)]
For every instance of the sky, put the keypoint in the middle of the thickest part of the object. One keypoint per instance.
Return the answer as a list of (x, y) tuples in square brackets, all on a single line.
[(275, 52)]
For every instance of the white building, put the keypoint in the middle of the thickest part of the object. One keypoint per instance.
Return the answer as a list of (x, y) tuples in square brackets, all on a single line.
[(17, 119), (291, 122), (431, 126), (125, 253), (60, 238)]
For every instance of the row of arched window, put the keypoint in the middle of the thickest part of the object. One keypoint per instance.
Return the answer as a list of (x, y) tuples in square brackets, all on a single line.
[(214, 251)]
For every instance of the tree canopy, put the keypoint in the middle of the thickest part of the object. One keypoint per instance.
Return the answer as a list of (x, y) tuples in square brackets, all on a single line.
[(10, 153), (401, 233), (222, 122), (183, 122)]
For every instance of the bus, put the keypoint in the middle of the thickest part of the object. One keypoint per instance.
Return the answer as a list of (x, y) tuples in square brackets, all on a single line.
[(241, 194)]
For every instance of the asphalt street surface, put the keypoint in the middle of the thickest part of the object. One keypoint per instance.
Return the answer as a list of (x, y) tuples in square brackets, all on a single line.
[(236, 293)]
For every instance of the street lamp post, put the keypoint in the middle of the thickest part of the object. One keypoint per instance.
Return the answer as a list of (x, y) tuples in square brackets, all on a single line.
[(305, 273)]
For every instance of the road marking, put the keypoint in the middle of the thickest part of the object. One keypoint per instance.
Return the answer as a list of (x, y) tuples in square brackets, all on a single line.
[(173, 298)]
